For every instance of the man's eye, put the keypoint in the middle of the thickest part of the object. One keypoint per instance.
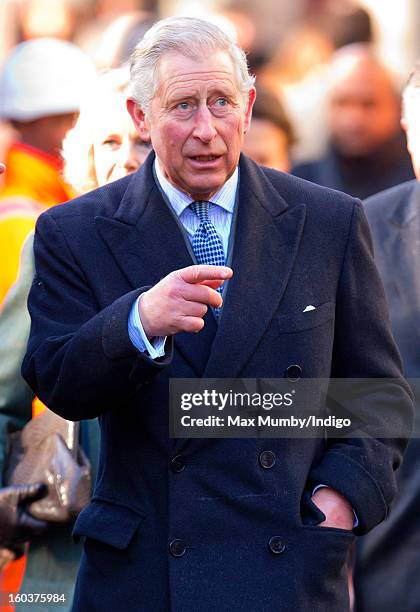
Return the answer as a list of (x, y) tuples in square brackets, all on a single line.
[(183, 105), (220, 106)]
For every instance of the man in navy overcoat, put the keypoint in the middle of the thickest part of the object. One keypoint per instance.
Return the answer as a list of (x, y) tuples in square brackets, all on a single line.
[(124, 277), (388, 563)]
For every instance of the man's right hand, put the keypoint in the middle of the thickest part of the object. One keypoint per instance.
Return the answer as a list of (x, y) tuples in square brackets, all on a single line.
[(179, 301)]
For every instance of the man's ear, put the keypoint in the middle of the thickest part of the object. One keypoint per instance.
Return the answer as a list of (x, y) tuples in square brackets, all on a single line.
[(248, 110), (139, 119)]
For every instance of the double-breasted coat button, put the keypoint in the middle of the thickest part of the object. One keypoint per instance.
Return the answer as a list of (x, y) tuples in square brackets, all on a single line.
[(293, 372), (276, 545), (177, 464), (267, 459), (177, 548)]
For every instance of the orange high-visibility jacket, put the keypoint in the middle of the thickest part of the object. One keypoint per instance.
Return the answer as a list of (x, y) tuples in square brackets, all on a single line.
[(33, 183)]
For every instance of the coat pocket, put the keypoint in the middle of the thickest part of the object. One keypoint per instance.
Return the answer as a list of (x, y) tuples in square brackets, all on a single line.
[(300, 321), (309, 512), (108, 522)]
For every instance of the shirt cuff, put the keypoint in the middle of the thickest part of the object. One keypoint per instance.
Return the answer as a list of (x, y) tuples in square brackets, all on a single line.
[(322, 486), (137, 335)]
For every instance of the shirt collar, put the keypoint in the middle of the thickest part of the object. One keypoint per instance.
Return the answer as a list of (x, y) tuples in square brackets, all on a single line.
[(225, 197)]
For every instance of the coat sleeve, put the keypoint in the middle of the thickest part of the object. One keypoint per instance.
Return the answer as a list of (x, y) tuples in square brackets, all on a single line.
[(363, 468), (80, 361)]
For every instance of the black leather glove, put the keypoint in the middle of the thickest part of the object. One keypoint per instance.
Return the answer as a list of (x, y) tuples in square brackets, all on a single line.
[(16, 524)]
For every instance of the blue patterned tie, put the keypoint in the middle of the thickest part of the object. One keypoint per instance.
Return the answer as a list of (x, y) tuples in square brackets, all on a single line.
[(206, 243)]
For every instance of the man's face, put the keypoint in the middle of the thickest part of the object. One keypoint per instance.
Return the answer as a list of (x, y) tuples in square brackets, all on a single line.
[(267, 144), (196, 122), (363, 112)]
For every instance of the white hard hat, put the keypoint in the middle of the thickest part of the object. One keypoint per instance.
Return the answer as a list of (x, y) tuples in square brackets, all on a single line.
[(43, 77)]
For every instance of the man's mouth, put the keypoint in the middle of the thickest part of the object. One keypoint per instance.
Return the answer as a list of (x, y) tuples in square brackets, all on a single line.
[(205, 158)]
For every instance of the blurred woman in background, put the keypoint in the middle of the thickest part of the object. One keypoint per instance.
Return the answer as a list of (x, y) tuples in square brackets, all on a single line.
[(104, 145)]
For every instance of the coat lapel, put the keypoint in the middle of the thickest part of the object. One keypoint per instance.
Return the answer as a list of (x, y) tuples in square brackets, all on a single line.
[(267, 238), (266, 242), (147, 244)]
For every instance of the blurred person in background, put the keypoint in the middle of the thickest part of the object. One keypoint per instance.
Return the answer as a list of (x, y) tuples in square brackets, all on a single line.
[(23, 20), (11, 503), (114, 45), (270, 136), (42, 84), (298, 70), (347, 21), (103, 36), (102, 146), (50, 18), (7, 136), (296, 74), (388, 560), (367, 150), (239, 20)]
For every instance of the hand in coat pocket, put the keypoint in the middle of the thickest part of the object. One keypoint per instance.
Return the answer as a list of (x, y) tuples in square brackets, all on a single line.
[(336, 508)]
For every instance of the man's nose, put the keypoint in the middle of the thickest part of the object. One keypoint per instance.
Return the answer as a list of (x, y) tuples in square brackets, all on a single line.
[(204, 128)]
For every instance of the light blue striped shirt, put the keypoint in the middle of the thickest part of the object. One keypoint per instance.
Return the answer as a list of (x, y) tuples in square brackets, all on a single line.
[(221, 215)]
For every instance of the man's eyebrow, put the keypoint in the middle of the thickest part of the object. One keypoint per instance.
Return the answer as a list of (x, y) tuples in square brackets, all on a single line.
[(225, 93), (176, 96)]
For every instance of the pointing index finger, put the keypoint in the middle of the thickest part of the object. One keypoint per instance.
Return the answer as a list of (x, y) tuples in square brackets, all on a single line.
[(199, 273)]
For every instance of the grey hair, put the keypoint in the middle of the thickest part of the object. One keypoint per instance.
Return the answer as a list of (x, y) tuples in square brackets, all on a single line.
[(411, 90), (192, 37)]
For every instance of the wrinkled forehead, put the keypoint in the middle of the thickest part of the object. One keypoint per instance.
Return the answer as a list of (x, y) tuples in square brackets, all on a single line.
[(176, 71)]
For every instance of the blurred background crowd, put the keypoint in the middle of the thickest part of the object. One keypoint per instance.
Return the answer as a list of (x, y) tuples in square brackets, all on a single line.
[(291, 46), (329, 79)]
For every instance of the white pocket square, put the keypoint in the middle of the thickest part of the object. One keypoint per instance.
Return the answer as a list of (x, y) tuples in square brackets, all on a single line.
[(309, 307)]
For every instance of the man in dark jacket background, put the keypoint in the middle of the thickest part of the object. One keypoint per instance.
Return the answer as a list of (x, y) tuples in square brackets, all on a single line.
[(367, 150), (388, 560)]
